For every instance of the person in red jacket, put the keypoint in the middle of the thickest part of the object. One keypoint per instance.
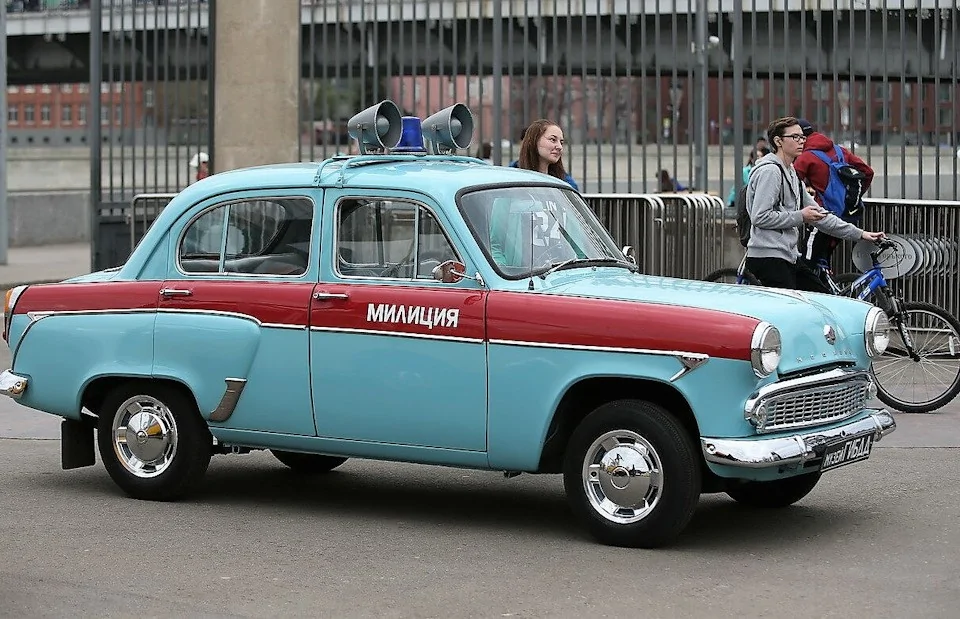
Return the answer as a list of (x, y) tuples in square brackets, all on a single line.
[(815, 173)]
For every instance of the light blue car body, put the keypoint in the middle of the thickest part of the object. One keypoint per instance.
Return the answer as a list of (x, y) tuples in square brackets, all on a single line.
[(468, 402)]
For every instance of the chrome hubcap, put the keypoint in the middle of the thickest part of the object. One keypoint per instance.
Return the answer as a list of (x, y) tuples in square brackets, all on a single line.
[(144, 436), (622, 476)]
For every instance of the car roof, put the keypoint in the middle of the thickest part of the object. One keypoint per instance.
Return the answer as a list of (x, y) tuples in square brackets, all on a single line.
[(440, 176)]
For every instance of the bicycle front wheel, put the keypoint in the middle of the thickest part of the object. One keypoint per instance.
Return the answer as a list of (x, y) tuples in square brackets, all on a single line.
[(730, 276), (920, 370)]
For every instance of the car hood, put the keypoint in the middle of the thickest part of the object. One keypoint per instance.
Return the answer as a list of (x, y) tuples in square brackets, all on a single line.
[(801, 317)]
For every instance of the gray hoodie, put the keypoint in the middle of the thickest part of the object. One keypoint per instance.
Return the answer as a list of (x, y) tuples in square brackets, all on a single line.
[(775, 215)]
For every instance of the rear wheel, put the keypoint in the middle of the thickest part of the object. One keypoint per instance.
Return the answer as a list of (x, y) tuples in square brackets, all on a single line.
[(152, 440), (730, 276), (631, 474), (920, 370), (774, 493), (308, 463)]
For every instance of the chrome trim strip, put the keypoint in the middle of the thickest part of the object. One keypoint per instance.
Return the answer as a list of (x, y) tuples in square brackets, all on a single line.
[(793, 450), (636, 351), (280, 325), (12, 385), (419, 336), (689, 363), (228, 402), (173, 310)]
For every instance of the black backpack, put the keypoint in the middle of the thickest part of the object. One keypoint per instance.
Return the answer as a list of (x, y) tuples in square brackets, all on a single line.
[(743, 216)]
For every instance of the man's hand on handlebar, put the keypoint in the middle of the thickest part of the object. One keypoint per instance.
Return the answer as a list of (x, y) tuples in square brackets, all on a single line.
[(873, 237)]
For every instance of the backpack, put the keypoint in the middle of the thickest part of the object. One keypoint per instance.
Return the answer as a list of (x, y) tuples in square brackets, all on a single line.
[(844, 193), (743, 215)]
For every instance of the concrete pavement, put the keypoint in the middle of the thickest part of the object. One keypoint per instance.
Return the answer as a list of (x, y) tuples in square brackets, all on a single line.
[(47, 263)]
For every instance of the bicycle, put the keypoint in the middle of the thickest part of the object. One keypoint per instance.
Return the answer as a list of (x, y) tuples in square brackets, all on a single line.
[(924, 337)]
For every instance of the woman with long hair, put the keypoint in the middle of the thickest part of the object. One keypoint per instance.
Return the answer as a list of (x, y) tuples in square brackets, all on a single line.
[(542, 150)]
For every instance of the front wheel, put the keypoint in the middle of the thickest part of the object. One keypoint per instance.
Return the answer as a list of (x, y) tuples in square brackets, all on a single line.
[(920, 370), (775, 493), (731, 276), (152, 440), (631, 474)]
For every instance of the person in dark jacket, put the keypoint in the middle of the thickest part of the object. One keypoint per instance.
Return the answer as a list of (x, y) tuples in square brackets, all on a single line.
[(815, 173)]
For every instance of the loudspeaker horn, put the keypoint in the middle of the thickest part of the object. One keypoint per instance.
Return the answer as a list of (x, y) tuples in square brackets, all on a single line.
[(379, 126), (449, 129)]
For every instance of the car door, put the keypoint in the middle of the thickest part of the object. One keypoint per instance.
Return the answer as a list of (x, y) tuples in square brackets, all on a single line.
[(234, 310), (396, 356)]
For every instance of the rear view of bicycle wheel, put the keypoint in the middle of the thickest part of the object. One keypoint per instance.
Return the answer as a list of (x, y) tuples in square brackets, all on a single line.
[(730, 276), (920, 370)]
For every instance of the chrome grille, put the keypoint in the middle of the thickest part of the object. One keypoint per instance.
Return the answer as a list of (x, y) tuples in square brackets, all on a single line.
[(814, 405)]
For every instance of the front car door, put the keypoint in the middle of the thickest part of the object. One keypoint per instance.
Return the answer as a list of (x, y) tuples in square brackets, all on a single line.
[(396, 356), (234, 309)]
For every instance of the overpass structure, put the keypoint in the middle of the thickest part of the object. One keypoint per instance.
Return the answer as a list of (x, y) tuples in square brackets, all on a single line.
[(913, 38)]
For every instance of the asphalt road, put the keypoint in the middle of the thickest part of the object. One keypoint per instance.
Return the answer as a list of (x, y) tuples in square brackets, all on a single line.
[(876, 539)]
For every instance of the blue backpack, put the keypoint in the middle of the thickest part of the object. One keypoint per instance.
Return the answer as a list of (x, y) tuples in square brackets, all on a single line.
[(844, 193)]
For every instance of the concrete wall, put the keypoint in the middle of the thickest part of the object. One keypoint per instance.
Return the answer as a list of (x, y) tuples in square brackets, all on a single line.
[(45, 218)]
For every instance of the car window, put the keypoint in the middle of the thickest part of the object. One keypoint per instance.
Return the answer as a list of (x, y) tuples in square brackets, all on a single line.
[(253, 237), (389, 238)]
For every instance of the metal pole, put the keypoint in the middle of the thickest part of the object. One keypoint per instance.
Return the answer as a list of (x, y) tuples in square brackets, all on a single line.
[(93, 124), (496, 151), (702, 134), (737, 52), (4, 230)]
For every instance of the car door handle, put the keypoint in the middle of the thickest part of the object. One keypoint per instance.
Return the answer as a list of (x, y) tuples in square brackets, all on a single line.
[(323, 296), (175, 292)]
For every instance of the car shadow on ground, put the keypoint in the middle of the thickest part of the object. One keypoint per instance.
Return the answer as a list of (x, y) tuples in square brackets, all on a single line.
[(480, 500)]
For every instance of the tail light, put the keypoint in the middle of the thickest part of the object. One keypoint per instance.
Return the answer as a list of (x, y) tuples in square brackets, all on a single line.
[(9, 303)]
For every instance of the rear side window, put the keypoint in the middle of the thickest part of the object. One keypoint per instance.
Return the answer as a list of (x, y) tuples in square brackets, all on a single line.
[(265, 236)]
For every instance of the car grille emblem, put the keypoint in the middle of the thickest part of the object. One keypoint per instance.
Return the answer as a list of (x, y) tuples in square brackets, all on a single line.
[(829, 334)]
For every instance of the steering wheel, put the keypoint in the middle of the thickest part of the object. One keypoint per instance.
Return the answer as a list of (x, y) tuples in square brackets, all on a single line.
[(431, 255)]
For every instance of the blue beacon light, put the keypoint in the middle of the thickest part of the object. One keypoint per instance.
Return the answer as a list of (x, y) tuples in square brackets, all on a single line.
[(411, 138)]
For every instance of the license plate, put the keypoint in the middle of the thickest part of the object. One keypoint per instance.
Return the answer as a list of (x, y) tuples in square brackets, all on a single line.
[(847, 451)]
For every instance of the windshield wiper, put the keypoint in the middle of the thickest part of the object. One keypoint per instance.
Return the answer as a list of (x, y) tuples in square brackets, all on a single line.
[(573, 263)]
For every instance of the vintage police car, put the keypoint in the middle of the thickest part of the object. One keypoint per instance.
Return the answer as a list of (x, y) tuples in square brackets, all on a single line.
[(432, 308)]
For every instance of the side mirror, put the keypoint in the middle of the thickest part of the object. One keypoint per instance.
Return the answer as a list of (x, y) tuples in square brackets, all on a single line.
[(629, 253), (450, 272)]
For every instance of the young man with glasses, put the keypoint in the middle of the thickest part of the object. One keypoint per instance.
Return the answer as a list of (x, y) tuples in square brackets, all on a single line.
[(779, 207)]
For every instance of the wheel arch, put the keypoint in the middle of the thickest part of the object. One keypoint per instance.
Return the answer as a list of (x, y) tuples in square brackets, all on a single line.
[(584, 396), (96, 389)]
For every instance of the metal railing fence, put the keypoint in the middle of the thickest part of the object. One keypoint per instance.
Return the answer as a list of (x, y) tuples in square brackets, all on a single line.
[(643, 87)]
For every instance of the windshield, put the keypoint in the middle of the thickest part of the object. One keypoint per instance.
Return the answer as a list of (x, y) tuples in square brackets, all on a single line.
[(526, 230)]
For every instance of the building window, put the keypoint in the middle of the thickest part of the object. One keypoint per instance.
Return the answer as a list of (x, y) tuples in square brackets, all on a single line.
[(118, 115), (13, 114), (148, 97), (66, 88), (12, 90), (820, 91), (28, 114), (45, 114), (83, 88), (943, 93), (29, 89), (45, 89), (104, 87), (82, 114), (66, 114), (946, 116), (104, 114)]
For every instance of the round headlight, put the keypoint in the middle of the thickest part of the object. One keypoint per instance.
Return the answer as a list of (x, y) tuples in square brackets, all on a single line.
[(876, 332), (765, 349)]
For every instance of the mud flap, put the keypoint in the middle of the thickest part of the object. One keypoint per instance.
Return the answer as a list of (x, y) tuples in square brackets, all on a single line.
[(76, 444)]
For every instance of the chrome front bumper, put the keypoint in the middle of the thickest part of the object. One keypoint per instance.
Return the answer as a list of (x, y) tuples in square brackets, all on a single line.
[(12, 384), (791, 450)]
